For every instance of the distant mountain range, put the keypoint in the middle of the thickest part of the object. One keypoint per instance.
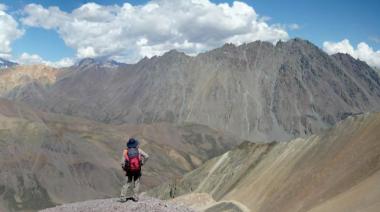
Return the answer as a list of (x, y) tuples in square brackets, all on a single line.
[(93, 63), (258, 91), (6, 63)]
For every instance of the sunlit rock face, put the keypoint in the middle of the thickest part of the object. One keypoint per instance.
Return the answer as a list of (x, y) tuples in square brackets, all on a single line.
[(14, 79), (258, 91)]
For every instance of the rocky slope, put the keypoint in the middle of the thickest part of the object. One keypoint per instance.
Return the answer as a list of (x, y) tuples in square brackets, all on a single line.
[(48, 159), (377, 70), (192, 202), (204, 202), (338, 170), (256, 90), (146, 204), (17, 78)]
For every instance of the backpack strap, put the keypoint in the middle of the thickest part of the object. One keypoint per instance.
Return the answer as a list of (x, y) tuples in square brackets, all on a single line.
[(125, 153)]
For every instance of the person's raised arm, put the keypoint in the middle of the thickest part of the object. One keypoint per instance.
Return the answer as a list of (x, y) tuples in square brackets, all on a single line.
[(144, 155)]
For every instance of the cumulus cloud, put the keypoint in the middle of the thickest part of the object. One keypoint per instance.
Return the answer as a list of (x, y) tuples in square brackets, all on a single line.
[(130, 32), (9, 31), (26, 58), (362, 51)]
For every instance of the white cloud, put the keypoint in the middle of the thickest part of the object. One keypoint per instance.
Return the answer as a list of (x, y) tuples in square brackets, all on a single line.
[(362, 51), (375, 39), (294, 26), (9, 31), (3, 7), (65, 62), (27, 59), (130, 32)]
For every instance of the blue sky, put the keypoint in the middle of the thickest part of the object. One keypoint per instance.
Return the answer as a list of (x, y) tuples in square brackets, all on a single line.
[(318, 21)]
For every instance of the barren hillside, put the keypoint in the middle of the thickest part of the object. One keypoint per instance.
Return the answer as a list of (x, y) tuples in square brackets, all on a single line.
[(48, 159), (337, 170)]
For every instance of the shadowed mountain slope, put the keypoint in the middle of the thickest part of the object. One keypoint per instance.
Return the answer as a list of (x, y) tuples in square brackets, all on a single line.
[(6, 64), (48, 159), (338, 170), (256, 90)]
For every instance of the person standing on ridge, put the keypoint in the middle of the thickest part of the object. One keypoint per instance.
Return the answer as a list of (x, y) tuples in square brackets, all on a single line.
[(133, 159)]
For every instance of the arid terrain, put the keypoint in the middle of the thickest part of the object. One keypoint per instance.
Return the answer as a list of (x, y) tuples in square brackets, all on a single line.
[(251, 127), (48, 159), (337, 170), (257, 91)]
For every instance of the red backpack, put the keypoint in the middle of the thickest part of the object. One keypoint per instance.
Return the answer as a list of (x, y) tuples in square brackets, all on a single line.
[(132, 160)]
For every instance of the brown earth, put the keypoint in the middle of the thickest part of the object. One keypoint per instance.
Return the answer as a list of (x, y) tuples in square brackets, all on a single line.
[(337, 170), (48, 159), (17, 77)]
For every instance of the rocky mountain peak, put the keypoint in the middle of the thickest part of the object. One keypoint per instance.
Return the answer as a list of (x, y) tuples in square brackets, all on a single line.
[(344, 57), (174, 53), (97, 63), (6, 63), (255, 90)]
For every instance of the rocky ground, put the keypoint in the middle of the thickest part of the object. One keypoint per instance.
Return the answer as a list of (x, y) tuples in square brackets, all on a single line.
[(112, 205)]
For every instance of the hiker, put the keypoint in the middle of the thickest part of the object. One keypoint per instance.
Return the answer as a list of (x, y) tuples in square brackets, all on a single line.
[(133, 159)]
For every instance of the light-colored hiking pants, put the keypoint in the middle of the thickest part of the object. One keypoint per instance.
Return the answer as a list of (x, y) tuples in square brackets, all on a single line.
[(131, 186)]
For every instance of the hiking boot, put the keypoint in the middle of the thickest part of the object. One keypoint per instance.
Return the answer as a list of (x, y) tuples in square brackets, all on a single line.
[(122, 199)]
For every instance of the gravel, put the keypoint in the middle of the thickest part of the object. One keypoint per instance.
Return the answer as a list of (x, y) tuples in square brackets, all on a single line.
[(145, 203)]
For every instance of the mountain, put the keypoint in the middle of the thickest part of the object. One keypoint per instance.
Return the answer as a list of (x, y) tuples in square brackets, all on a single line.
[(6, 63), (377, 70), (93, 63), (337, 170), (19, 78), (257, 91), (48, 159)]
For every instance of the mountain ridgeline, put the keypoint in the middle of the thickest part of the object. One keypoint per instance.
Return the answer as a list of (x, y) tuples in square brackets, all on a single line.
[(6, 63), (258, 91)]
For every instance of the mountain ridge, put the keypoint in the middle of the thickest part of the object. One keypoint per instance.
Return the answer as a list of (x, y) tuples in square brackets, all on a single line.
[(256, 90), (6, 63)]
